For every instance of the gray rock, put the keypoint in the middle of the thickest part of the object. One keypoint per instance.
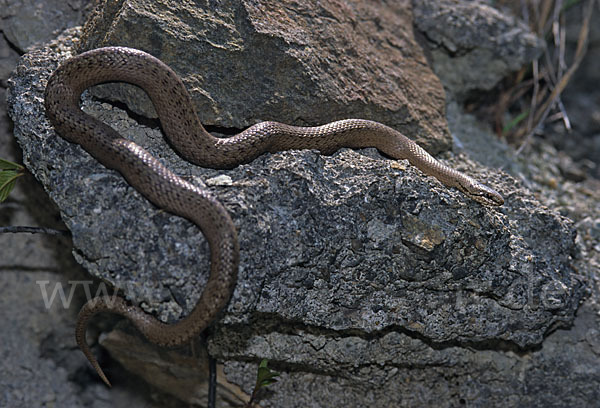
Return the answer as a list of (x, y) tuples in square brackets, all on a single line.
[(36, 357), (29, 22), (328, 308), (414, 241), (298, 63), (40, 365), (473, 45), (27, 377), (347, 260), (415, 373), (8, 60)]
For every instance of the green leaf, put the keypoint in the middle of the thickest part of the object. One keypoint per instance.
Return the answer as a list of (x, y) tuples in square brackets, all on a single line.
[(6, 189), (7, 182), (6, 176), (8, 165), (265, 375), (515, 121), (9, 172)]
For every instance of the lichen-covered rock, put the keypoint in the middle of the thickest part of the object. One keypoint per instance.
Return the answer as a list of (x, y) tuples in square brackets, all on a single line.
[(349, 241), (355, 269)]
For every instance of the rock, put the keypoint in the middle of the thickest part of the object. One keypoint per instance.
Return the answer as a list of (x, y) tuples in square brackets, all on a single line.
[(394, 222), (372, 248), (415, 373), (293, 62), (463, 35), (37, 359), (28, 378), (8, 61), (364, 282), (182, 374), (29, 22)]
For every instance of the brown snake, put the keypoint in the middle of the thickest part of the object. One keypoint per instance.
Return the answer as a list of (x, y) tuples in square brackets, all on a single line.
[(168, 191)]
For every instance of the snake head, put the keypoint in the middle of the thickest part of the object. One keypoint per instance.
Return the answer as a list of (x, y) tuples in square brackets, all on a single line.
[(481, 193)]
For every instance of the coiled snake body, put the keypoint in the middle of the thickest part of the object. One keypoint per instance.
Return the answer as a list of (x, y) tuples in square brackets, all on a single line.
[(168, 191)]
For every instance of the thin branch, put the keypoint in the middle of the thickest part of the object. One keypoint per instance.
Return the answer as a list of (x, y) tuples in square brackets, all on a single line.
[(542, 18), (564, 116), (212, 382), (562, 49), (33, 230), (536, 88)]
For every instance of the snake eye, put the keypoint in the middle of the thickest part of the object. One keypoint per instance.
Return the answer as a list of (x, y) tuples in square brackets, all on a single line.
[(492, 199), (487, 196), (481, 193), (497, 198)]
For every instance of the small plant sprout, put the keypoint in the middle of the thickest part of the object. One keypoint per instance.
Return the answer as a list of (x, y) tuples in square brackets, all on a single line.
[(9, 173), (264, 377)]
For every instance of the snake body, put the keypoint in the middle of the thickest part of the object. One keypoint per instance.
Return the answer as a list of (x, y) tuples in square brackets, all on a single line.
[(187, 135)]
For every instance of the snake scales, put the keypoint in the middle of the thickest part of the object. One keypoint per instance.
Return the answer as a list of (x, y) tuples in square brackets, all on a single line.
[(168, 191)]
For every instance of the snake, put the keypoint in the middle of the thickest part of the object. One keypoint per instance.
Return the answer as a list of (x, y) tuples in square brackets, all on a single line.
[(181, 126)]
